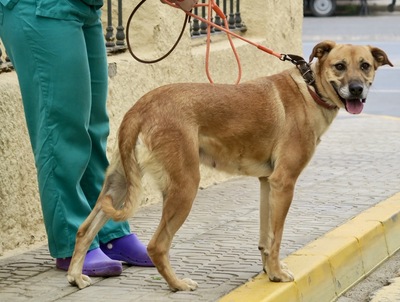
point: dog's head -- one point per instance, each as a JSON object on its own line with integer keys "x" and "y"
{"x": 345, "y": 72}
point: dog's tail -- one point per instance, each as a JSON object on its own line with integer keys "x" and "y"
{"x": 128, "y": 169}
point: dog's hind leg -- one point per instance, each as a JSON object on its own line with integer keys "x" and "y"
{"x": 84, "y": 237}
{"x": 114, "y": 190}
{"x": 182, "y": 168}
{"x": 177, "y": 205}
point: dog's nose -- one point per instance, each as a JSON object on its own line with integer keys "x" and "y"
{"x": 356, "y": 89}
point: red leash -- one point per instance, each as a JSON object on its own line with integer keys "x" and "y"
{"x": 187, "y": 6}
{"x": 212, "y": 6}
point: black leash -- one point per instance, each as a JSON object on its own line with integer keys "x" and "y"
{"x": 187, "y": 20}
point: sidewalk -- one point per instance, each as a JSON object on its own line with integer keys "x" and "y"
{"x": 356, "y": 166}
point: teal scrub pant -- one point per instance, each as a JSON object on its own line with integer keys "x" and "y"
{"x": 59, "y": 55}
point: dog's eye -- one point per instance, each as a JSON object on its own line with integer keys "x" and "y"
{"x": 365, "y": 66}
{"x": 340, "y": 66}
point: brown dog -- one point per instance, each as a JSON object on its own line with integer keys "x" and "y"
{"x": 267, "y": 128}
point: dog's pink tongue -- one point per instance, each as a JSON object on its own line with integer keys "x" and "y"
{"x": 354, "y": 106}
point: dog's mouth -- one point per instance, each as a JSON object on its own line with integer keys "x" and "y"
{"x": 353, "y": 105}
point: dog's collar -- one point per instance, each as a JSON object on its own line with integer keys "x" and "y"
{"x": 302, "y": 66}
{"x": 308, "y": 76}
{"x": 320, "y": 101}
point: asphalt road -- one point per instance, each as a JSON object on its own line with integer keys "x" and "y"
{"x": 382, "y": 31}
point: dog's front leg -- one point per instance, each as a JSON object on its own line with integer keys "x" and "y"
{"x": 264, "y": 219}
{"x": 276, "y": 197}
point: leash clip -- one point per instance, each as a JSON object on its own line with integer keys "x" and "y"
{"x": 285, "y": 57}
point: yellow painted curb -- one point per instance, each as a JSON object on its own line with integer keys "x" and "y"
{"x": 388, "y": 117}
{"x": 330, "y": 265}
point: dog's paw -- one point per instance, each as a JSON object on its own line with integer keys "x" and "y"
{"x": 279, "y": 272}
{"x": 190, "y": 284}
{"x": 81, "y": 281}
{"x": 283, "y": 275}
{"x": 185, "y": 285}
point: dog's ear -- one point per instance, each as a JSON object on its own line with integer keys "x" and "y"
{"x": 380, "y": 57}
{"x": 321, "y": 49}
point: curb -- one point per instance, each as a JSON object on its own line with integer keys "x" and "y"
{"x": 327, "y": 267}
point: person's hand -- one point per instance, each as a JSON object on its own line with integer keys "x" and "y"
{"x": 186, "y": 5}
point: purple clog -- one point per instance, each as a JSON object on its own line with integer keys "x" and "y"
{"x": 96, "y": 264}
{"x": 128, "y": 249}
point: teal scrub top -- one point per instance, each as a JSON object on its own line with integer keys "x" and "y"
{"x": 96, "y": 3}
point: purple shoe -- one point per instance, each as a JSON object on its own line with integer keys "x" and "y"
{"x": 128, "y": 249}
{"x": 96, "y": 264}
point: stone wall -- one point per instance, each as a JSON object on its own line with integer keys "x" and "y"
{"x": 275, "y": 24}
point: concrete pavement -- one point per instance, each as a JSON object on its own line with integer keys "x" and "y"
{"x": 355, "y": 168}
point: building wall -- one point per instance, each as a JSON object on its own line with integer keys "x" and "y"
{"x": 275, "y": 24}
